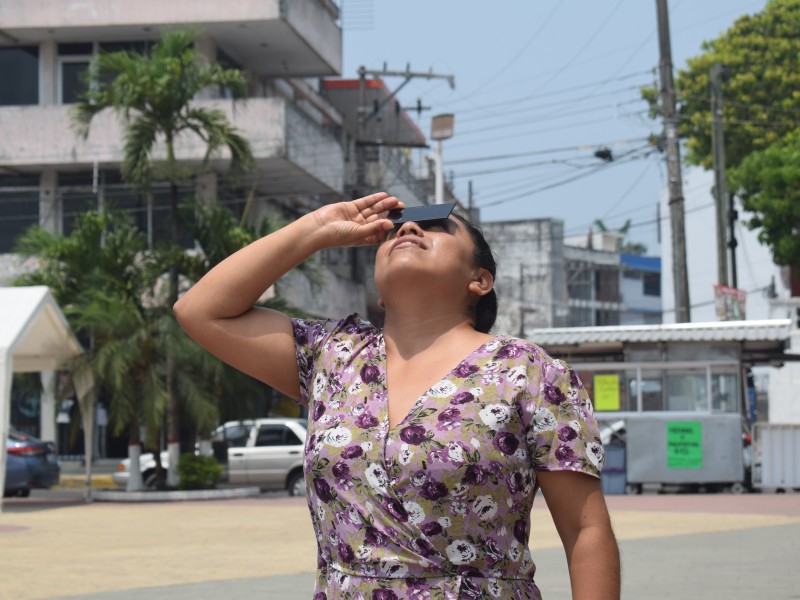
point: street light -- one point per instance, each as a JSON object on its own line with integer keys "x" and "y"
{"x": 441, "y": 129}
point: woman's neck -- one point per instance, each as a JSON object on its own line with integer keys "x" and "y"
{"x": 408, "y": 333}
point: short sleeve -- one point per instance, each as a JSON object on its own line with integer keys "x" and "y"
{"x": 320, "y": 342}
{"x": 561, "y": 430}
{"x": 309, "y": 341}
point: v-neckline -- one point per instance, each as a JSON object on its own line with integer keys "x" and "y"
{"x": 426, "y": 393}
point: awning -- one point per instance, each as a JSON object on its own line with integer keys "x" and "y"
{"x": 34, "y": 336}
{"x": 761, "y": 341}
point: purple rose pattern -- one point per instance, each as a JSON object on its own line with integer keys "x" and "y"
{"x": 401, "y": 512}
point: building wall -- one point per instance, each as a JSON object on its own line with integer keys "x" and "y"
{"x": 784, "y": 381}
{"x": 592, "y": 286}
{"x": 530, "y": 281}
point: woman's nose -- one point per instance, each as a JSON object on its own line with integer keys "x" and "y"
{"x": 409, "y": 228}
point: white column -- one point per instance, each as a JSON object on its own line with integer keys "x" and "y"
{"x": 47, "y": 413}
{"x": 48, "y": 71}
{"x": 6, "y": 374}
{"x": 49, "y": 204}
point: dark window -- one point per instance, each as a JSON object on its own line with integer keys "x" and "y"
{"x": 291, "y": 438}
{"x": 19, "y": 76}
{"x": 235, "y": 435}
{"x": 651, "y": 284}
{"x": 19, "y": 207}
{"x": 72, "y": 84}
{"x": 139, "y": 47}
{"x": 628, "y": 274}
{"x": 276, "y": 435}
{"x": 75, "y": 49}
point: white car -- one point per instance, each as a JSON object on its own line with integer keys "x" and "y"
{"x": 263, "y": 452}
{"x": 272, "y": 458}
{"x": 147, "y": 464}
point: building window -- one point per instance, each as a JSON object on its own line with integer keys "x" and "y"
{"x": 19, "y": 202}
{"x": 20, "y": 66}
{"x": 651, "y": 284}
{"x": 71, "y": 79}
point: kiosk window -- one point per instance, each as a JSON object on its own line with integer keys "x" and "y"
{"x": 724, "y": 392}
{"x": 687, "y": 391}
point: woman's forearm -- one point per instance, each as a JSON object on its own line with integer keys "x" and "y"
{"x": 594, "y": 566}
{"x": 232, "y": 287}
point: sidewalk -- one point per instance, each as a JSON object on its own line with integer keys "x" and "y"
{"x": 673, "y": 546}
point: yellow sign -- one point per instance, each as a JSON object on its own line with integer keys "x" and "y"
{"x": 606, "y": 392}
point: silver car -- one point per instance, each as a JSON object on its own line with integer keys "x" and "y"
{"x": 272, "y": 458}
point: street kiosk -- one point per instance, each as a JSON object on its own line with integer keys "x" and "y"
{"x": 674, "y": 394}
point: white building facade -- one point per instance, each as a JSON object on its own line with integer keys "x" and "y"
{"x": 48, "y": 175}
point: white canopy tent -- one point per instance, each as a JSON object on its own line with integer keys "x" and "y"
{"x": 35, "y": 337}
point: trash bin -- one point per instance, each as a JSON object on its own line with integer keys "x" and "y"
{"x": 614, "y": 476}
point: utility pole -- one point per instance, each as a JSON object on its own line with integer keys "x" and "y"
{"x": 365, "y": 113}
{"x": 720, "y": 186}
{"x": 679, "y": 272}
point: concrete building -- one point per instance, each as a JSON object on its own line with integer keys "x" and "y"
{"x": 303, "y": 144}
{"x": 609, "y": 287}
{"x": 531, "y": 283}
{"x": 545, "y": 280}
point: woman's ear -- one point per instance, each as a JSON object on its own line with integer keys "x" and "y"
{"x": 482, "y": 284}
{"x": 381, "y": 305}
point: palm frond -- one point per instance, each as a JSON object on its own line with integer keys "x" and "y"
{"x": 140, "y": 138}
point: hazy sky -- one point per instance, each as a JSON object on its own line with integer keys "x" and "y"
{"x": 550, "y": 82}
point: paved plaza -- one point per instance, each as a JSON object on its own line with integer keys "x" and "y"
{"x": 674, "y": 546}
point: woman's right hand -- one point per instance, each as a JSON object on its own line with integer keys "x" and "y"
{"x": 358, "y": 222}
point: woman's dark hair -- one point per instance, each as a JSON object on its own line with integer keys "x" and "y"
{"x": 485, "y": 311}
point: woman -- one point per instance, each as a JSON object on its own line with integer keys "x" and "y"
{"x": 426, "y": 439}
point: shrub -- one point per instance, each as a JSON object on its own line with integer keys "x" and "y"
{"x": 198, "y": 472}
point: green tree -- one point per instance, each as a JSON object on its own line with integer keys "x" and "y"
{"x": 768, "y": 183}
{"x": 153, "y": 95}
{"x": 760, "y": 56}
{"x": 100, "y": 274}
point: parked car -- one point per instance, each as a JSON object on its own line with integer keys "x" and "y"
{"x": 263, "y": 452}
{"x": 30, "y": 463}
{"x": 272, "y": 458}
{"x": 147, "y": 466}
{"x": 229, "y": 434}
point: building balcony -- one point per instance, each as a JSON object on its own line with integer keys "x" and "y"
{"x": 293, "y": 153}
{"x": 270, "y": 37}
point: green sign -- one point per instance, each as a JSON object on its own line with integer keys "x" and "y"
{"x": 684, "y": 445}
{"x": 606, "y": 392}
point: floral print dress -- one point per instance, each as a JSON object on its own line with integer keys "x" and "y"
{"x": 438, "y": 506}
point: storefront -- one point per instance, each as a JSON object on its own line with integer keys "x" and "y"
{"x": 677, "y": 391}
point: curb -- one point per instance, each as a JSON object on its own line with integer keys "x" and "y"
{"x": 174, "y": 496}
{"x": 75, "y": 482}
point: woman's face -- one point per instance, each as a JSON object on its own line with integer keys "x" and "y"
{"x": 439, "y": 253}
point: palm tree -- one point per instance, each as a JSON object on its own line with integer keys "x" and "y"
{"x": 101, "y": 275}
{"x": 152, "y": 94}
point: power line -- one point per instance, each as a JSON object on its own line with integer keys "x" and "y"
{"x": 514, "y": 59}
{"x": 543, "y": 151}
